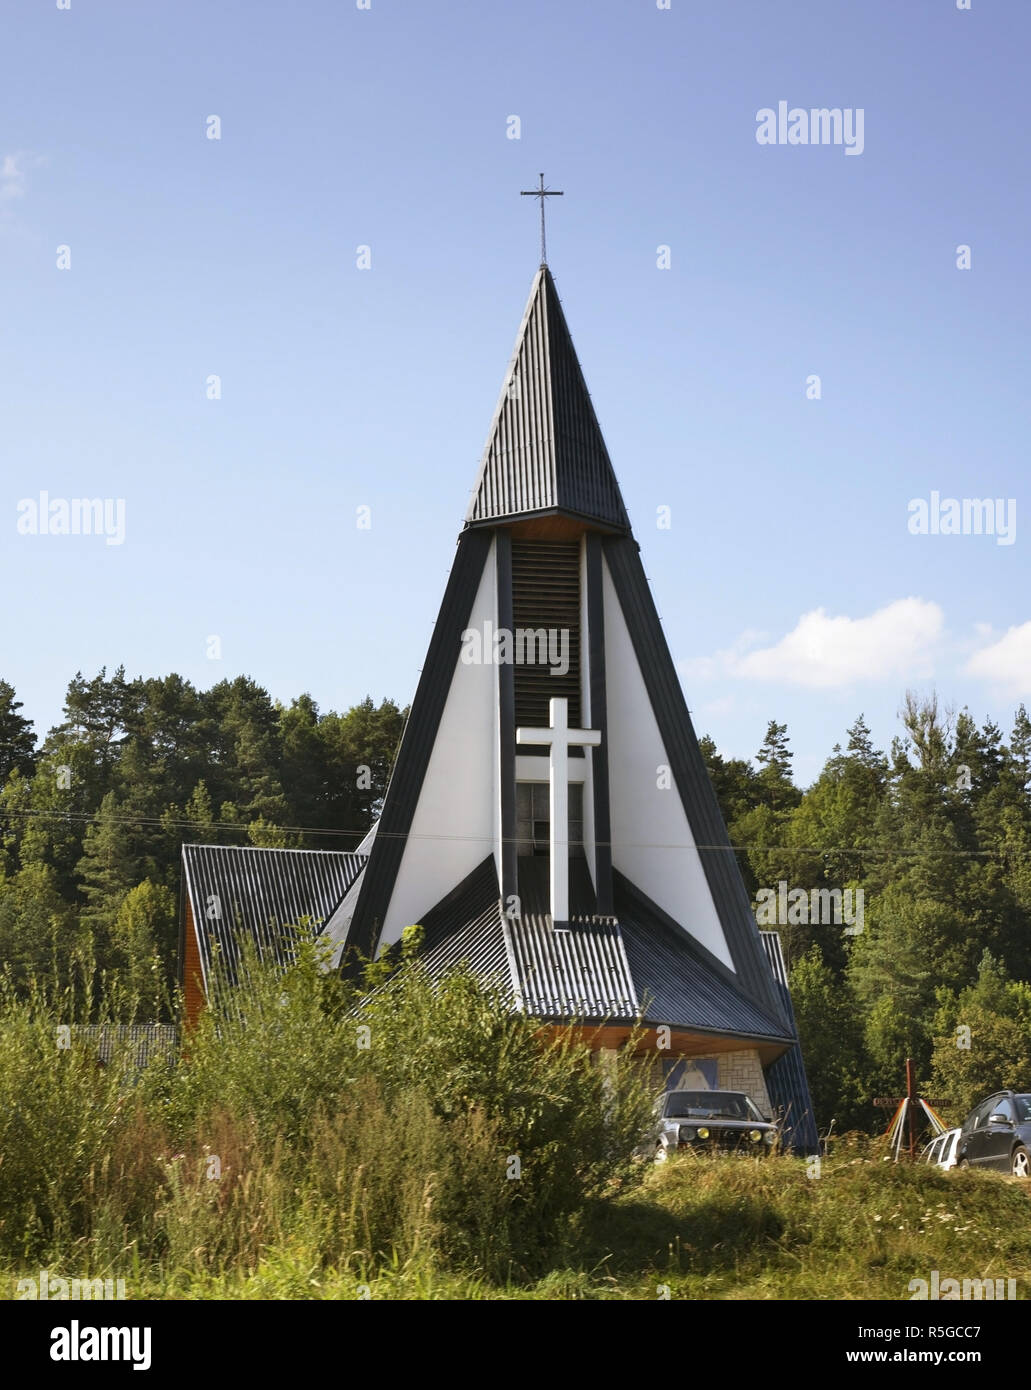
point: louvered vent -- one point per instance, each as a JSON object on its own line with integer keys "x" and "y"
{"x": 546, "y": 602}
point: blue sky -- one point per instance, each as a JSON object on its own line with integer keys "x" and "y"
{"x": 789, "y": 583}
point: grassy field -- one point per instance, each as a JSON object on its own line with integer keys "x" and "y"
{"x": 706, "y": 1229}
{"x": 424, "y": 1141}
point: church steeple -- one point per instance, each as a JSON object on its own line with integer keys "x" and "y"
{"x": 545, "y": 454}
{"x": 550, "y": 819}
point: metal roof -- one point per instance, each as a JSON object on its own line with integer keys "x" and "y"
{"x": 140, "y": 1042}
{"x": 599, "y": 968}
{"x": 786, "y": 1079}
{"x": 679, "y": 983}
{"x": 637, "y": 965}
{"x": 465, "y": 929}
{"x": 237, "y": 891}
{"x": 775, "y": 955}
{"x": 580, "y": 971}
{"x": 545, "y": 451}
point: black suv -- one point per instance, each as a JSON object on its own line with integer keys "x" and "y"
{"x": 997, "y": 1134}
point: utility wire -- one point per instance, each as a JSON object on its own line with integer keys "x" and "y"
{"x": 176, "y": 823}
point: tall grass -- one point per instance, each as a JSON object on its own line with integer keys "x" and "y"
{"x": 315, "y": 1128}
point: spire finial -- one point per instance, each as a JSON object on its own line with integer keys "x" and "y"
{"x": 542, "y": 193}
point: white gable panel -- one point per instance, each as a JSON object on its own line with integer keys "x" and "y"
{"x": 339, "y": 924}
{"x": 366, "y": 845}
{"x": 589, "y": 831}
{"x": 452, "y": 830}
{"x": 652, "y": 844}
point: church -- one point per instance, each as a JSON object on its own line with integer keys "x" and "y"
{"x": 549, "y": 822}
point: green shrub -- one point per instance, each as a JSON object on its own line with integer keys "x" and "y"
{"x": 71, "y": 1131}
{"x": 416, "y": 1126}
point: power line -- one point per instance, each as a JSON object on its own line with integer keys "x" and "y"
{"x": 860, "y": 851}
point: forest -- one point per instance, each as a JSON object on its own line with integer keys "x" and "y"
{"x": 92, "y": 819}
{"x": 935, "y": 832}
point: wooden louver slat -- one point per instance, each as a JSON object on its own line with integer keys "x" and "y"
{"x": 546, "y": 594}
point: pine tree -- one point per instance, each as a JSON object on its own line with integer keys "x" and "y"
{"x": 1020, "y": 748}
{"x": 199, "y": 815}
{"x": 860, "y": 746}
{"x": 108, "y": 870}
{"x": 38, "y": 930}
{"x": 773, "y": 782}
{"x": 303, "y": 767}
{"x": 143, "y": 938}
{"x": 831, "y": 1035}
{"x": 17, "y": 740}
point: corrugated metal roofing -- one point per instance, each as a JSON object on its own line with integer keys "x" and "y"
{"x": 239, "y": 891}
{"x": 465, "y": 929}
{"x": 775, "y": 955}
{"x": 600, "y": 968}
{"x": 545, "y": 451}
{"x": 675, "y": 982}
{"x": 579, "y": 973}
{"x": 785, "y": 1078}
{"x": 142, "y": 1042}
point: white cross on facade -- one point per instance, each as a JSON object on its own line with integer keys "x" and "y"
{"x": 560, "y": 738}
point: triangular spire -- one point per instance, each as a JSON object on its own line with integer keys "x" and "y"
{"x": 545, "y": 453}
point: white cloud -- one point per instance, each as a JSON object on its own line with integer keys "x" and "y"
{"x": 12, "y": 173}
{"x": 1006, "y": 662}
{"x": 825, "y": 652}
{"x": 707, "y": 668}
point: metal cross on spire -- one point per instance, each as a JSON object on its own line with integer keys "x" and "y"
{"x": 542, "y": 193}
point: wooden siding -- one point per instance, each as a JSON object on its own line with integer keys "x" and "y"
{"x": 681, "y": 1042}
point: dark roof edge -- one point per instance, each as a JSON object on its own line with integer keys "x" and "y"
{"x": 563, "y": 323}
{"x": 625, "y": 888}
{"x": 417, "y": 743}
{"x": 643, "y": 1021}
{"x": 628, "y": 891}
